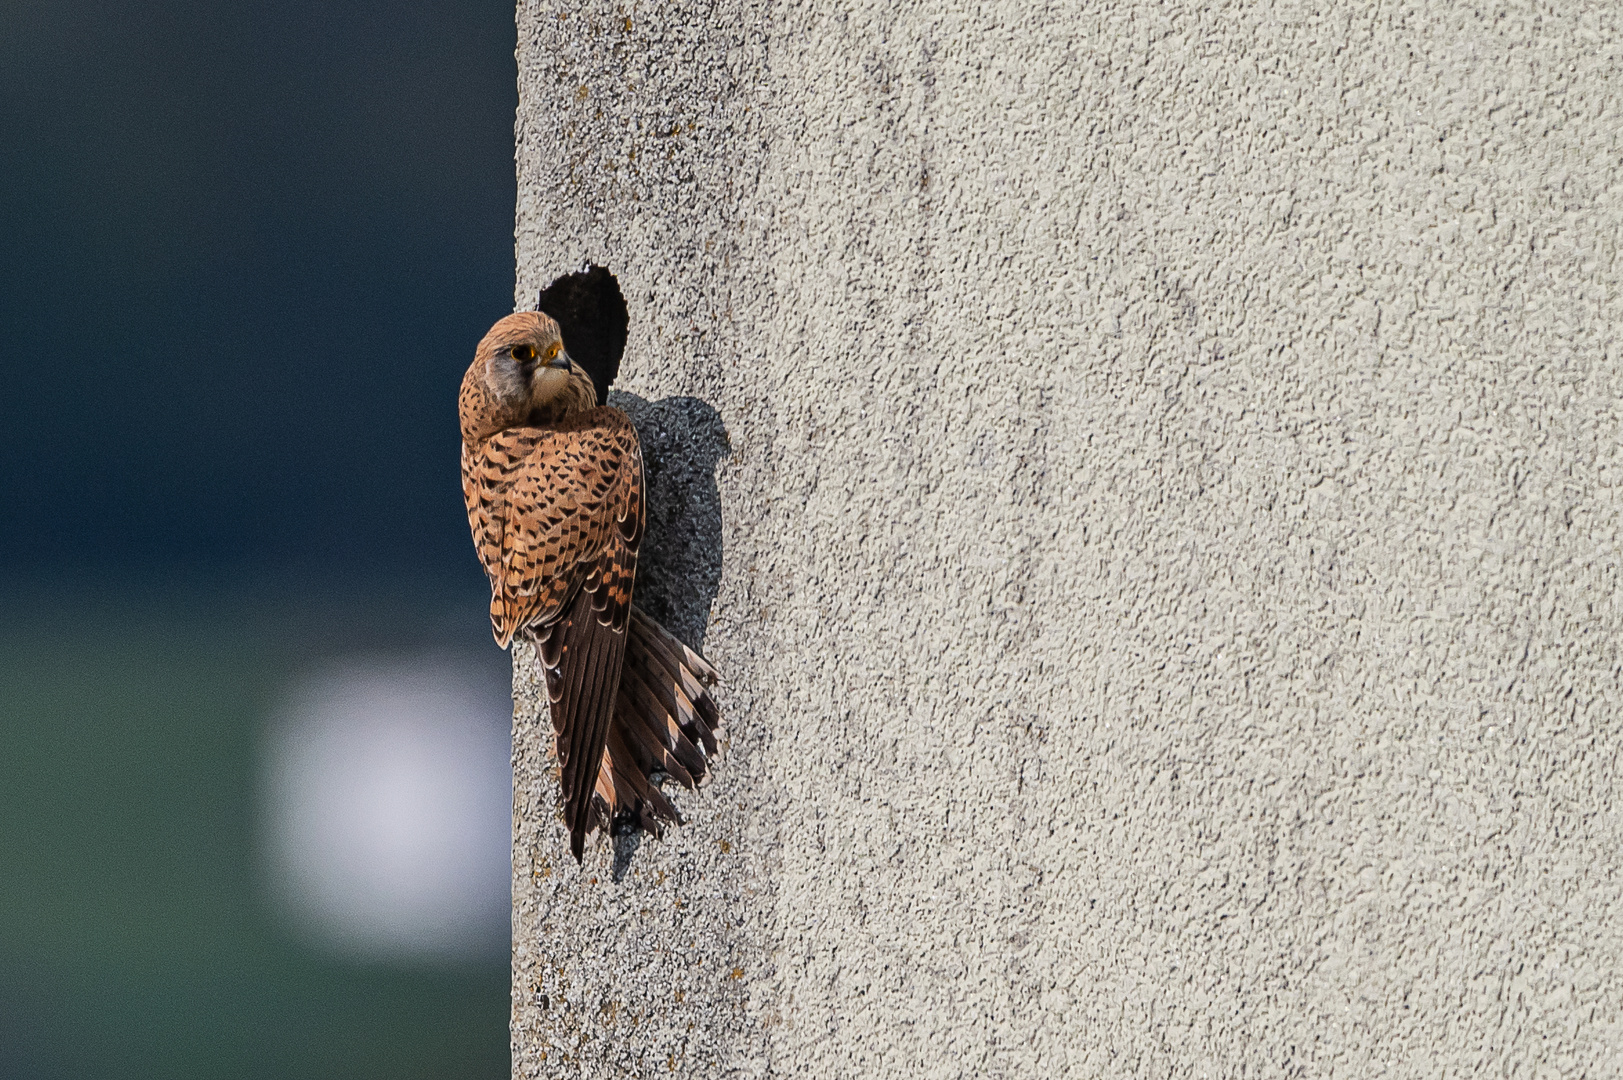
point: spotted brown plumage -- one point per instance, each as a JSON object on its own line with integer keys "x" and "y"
{"x": 554, "y": 489}
{"x": 556, "y": 508}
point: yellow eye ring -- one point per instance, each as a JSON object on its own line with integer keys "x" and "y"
{"x": 524, "y": 353}
{"x": 552, "y": 350}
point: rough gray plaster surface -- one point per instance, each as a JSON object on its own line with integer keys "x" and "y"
{"x": 1166, "y": 561}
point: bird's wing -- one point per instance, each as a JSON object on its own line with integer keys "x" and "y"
{"x": 557, "y": 517}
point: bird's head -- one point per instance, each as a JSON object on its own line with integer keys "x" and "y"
{"x": 521, "y": 374}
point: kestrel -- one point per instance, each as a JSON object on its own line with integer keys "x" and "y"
{"x": 554, "y": 487}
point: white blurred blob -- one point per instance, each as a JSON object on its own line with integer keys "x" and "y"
{"x": 388, "y": 812}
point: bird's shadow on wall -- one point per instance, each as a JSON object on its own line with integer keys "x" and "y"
{"x": 679, "y": 563}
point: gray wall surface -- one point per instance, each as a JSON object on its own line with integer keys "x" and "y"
{"x": 1149, "y": 475}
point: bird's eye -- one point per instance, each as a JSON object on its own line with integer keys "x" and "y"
{"x": 524, "y": 353}
{"x": 552, "y": 350}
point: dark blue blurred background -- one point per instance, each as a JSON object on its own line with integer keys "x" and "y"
{"x": 246, "y": 252}
{"x": 248, "y": 249}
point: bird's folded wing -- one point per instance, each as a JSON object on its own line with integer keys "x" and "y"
{"x": 545, "y": 504}
{"x": 563, "y": 508}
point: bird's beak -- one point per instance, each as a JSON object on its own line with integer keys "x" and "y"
{"x": 561, "y": 362}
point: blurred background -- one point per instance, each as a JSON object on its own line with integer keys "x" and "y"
{"x": 253, "y": 730}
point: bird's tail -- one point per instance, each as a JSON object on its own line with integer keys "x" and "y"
{"x": 665, "y": 722}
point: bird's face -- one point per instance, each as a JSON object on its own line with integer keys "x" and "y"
{"x": 524, "y": 375}
{"x": 525, "y": 361}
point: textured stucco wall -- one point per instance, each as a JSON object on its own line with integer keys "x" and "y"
{"x": 1165, "y": 562}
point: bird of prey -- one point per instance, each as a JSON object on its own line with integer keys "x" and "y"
{"x": 553, "y": 482}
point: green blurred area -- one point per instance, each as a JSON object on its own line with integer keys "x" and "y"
{"x": 136, "y": 937}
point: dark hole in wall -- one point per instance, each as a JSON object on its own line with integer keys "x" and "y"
{"x": 591, "y": 312}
